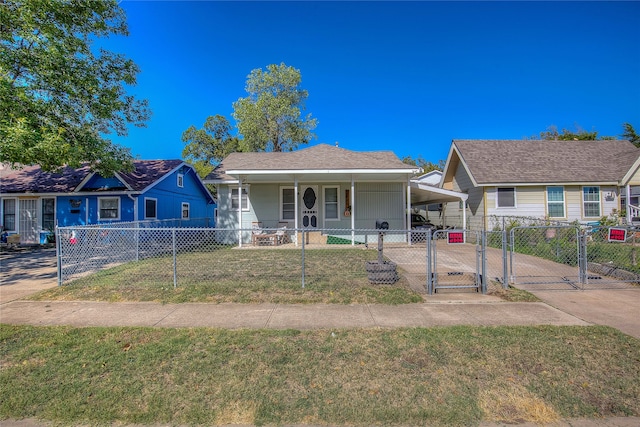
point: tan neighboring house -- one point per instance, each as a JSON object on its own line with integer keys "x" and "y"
{"x": 556, "y": 180}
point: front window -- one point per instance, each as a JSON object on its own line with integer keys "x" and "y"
{"x": 591, "y": 202}
{"x": 109, "y": 208}
{"x": 185, "y": 211}
{"x": 48, "y": 214}
{"x": 555, "y": 202}
{"x": 9, "y": 214}
{"x": 150, "y": 208}
{"x": 506, "y": 197}
{"x": 235, "y": 202}
{"x": 180, "y": 180}
{"x": 331, "y": 203}
{"x": 287, "y": 204}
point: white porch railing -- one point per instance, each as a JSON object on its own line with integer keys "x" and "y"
{"x": 633, "y": 213}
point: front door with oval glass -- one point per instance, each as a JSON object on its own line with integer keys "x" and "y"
{"x": 310, "y": 206}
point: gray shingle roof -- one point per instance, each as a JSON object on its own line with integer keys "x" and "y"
{"x": 317, "y": 157}
{"x": 534, "y": 161}
{"x": 32, "y": 179}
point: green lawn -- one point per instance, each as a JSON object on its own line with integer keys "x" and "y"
{"x": 335, "y": 276}
{"x": 455, "y": 376}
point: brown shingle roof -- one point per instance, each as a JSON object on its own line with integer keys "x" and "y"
{"x": 317, "y": 157}
{"x": 527, "y": 161}
{"x": 33, "y": 180}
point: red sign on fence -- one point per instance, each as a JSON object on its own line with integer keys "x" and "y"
{"x": 617, "y": 235}
{"x": 455, "y": 237}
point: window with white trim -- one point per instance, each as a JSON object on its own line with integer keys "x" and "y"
{"x": 48, "y": 214}
{"x": 555, "y": 202}
{"x": 591, "y": 202}
{"x": 109, "y": 208}
{"x": 234, "y": 199}
{"x": 180, "y": 180}
{"x": 150, "y": 208}
{"x": 9, "y": 214}
{"x": 331, "y": 203}
{"x": 505, "y": 197}
{"x": 287, "y": 203}
{"x": 185, "y": 211}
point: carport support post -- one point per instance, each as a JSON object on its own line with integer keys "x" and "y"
{"x": 428, "y": 254}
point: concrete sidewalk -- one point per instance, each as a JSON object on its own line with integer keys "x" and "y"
{"x": 275, "y": 316}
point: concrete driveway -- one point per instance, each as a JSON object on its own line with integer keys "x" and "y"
{"x": 24, "y": 272}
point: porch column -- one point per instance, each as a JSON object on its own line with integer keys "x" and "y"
{"x": 295, "y": 207}
{"x": 352, "y": 196}
{"x": 240, "y": 211}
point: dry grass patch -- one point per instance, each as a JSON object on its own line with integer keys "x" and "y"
{"x": 512, "y": 403}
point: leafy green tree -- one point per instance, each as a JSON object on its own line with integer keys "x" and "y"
{"x": 629, "y": 133}
{"x": 270, "y": 117}
{"x": 206, "y": 147}
{"x": 59, "y": 95}
{"x": 552, "y": 134}
{"x": 426, "y": 166}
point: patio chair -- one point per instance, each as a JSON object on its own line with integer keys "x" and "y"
{"x": 283, "y": 236}
{"x": 260, "y": 237}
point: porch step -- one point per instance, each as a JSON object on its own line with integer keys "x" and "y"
{"x": 314, "y": 237}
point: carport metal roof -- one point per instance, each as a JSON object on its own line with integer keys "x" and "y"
{"x": 424, "y": 194}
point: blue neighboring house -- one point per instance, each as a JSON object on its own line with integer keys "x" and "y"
{"x": 33, "y": 202}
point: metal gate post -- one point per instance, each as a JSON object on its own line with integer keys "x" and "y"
{"x": 582, "y": 258}
{"x": 428, "y": 255}
{"x": 505, "y": 267}
{"x": 59, "y": 254}
{"x": 483, "y": 260}
{"x": 302, "y": 258}
{"x": 175, "y": 263}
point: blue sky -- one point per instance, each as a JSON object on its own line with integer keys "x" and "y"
{"x": 402, "y": 76}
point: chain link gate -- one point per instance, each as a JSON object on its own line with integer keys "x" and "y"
{"x": 611, "y": 258}
{"x": 456, "y": 260}
{"x": 549, "y": 257}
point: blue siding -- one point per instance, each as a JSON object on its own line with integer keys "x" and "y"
{"x": 168, "y": 195}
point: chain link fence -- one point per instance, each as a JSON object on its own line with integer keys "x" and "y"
{"x": 554, "y": 257}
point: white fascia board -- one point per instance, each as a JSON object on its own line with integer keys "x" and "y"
{"x": 221, "y": 181}
{"x": 442, "y": 191}
{"x": 546, "y": 184}
{"x": 627, "y": 177}
{"x": 322, "y": 171}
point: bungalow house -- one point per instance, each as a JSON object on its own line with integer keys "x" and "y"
{"x": 556, "y": 180}
{"x": 315, "y": 188}
{"x": 33, "y": 202}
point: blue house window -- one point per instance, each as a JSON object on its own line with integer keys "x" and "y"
{"x": 150, "y": 208}
{"x": 48, "y": 214}
{"x": 185, "y": 211}
{"x": 109, "y": 208}
{"x": 180, "y": 180}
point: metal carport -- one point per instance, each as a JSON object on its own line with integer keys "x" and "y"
{"x": 424, "y": 194}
